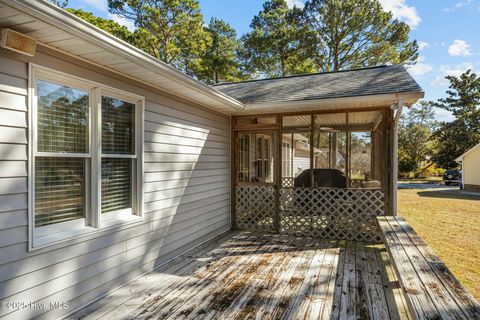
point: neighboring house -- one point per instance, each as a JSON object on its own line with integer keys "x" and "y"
{"x": 112, "y": 163}
{"x": 470, "y": 161}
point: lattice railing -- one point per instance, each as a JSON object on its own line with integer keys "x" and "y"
{"x": 288, "y": 182}
{"x": 331, "y": 213}
{"x": 255, "y": 207}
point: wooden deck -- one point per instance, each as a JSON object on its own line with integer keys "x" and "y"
{"x": 432, "y": 291}
{"x": 244, "y": 275}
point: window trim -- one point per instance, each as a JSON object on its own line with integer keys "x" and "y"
{"x": 45, "y": 236}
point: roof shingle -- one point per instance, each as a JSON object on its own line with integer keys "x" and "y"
{"x": 339, "y": 84}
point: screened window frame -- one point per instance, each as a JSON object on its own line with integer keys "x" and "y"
{"x": 43, "y": 236}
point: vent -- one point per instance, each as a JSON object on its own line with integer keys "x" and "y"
{"x": 17, "y": 42}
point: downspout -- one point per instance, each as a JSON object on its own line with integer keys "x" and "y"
{"x": 395, "y": 157}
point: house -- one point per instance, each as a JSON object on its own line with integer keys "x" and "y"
{"x": 470, "y": 161}
{"x": 113, "y": 164}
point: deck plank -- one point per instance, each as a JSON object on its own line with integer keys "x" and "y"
{"x": 348, "y": 300}
{"x": 338, "y": 293}
{"x": 262, "y": 276}
{"x": 376, "y": 290}
{"x": 140, "y": 289}
{"x": 396, "y": 303}
{"x": 446, "y": 306}
{"x": 245, "y": 304}
{"x": 464, "y": 300}
{"x": 283, "y": 281}
{"x": 321, "y": 302}
{"x": 163, "y": 304}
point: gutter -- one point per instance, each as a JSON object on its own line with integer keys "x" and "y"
{"x": 57, "y": 17}
{"x": 409, "y": 99}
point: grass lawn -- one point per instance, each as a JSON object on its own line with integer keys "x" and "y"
{"x": 449, "y": 221}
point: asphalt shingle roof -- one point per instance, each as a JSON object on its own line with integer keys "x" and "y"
{"x": 339, "y": 84}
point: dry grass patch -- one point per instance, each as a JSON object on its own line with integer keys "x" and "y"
{"x": 449, "y": 222}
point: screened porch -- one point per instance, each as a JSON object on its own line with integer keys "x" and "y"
{"x": 319, "y": 174}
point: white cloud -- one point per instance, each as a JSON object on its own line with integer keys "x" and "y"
{"x": 459, "y": 48}
{"x": 420, "y": 69}
{"x": 297, "y": 3}
{"x": 458, "y": 5}
{"x": 101, "y": 5}
{"x": 122, "y": 21}
{"x": 446, "y": 70}
{"x": 400, "y": 10}
{"x": 423, "y": 45}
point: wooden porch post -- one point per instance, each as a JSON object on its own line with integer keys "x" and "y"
{"x": 278, "y": 173}
{"x": 395, "y": 157}
{"x": 233, "y": 150}
{"x": 388, "y": 173}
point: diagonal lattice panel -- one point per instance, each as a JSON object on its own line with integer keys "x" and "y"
{"x": 331, "y": 213}
{"x": 255, "y": 207}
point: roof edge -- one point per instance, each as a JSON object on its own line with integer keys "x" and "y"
{"x": 57, "y": 17}
{"x": 460, "y": 159}
{"x": 312, "y": 105}
{"x": 420, "y": 94}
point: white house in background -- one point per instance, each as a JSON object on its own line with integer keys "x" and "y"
{"x": 470, "y": 161}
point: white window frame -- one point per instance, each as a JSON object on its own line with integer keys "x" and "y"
{"x": 40, "y": 237}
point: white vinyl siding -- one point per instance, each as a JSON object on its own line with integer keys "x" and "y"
{"x": 186, "y": 196}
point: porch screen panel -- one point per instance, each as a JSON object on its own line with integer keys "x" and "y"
{"x": 296, "y": 133}
{"x": 361, "y": 155}
{"x": 255, "y": 157}
{"x": 363, "y": 171}
{"x": 62, "y": 128}
{"x": 254, "y": 190}
{"x": 118, "y": 150}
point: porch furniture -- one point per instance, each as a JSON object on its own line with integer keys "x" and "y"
{"x": 432, "y": 291}
{"x": 327, "y": 178}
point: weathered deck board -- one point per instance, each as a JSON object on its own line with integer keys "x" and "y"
{"x": 260, "y": 276}
{"x": 432, "y": 291}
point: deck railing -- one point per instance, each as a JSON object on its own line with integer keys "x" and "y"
{"x": 333, "y": 213}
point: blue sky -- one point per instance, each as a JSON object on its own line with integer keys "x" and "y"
{"x": 447, "y": 31}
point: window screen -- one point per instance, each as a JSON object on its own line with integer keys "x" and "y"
{"x": 116, "y": 184}
{"x": 62, "y": 128}
{"x": 62, "y": 114}
{"x": 59, "y": 190}
{"x": 118, "y": 119}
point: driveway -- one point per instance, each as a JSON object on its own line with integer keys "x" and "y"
{"x": 437, "y": 188}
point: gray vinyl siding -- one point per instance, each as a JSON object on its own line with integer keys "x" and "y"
{"x": 186, "y": 193}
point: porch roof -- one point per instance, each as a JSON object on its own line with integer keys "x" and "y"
{"x": 366, "y": 87}
{"x": 347, "y": 83}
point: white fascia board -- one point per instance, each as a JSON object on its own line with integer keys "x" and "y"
{"x": 409, "y": 99}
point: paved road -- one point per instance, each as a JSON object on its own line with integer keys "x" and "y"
{"x": 438, "y": 187}
{"x": 419, "y": 185}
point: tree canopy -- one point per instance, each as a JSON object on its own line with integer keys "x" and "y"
{"x": 220, "y": 62}
{"x": 107, "y": 25}
{"x": 274, "y": 47}
{"x": 170, "y": 30}
{"x": 415, "y": 145}
{"x": 463, "y": 101}
{"x": 345, "y": 34}
{"x": 325, "y": 35}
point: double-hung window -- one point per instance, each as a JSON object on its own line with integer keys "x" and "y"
{"x": 86, "y": 164}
